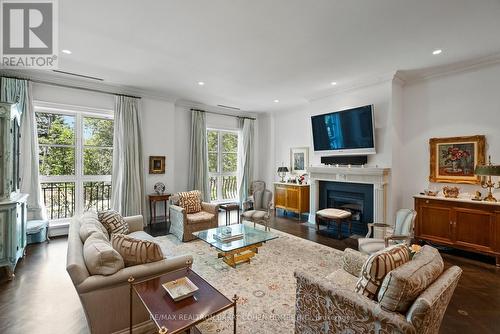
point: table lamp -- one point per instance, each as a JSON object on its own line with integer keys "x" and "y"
{"x": 488, "y": 170}
{"x": 282, "y": 172}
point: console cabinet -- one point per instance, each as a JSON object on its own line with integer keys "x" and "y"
{"x": 465, "y": 224}
{"x": 291, "y": 197}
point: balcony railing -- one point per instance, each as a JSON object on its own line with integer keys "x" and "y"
{"x": 60, "y": 198}
{"x": 228, "y": 188}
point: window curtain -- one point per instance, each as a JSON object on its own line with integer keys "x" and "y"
{"x": 198, "y": 164}
{"x": 127, "y": 196}
{"x": 16, "y": 90}
{"x": 245, "y": 157}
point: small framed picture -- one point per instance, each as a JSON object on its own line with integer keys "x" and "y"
{"x": 454, "y": 159}
{"x": 299, "y": 160}
{"x": 157, "y": 165}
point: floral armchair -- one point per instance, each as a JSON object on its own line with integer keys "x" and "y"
{"x": 184, "y": 220}
{"x": 330, "y": 304}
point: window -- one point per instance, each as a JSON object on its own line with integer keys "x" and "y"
{"x": 223, "y": 164}
{"x": 76, "y": 156}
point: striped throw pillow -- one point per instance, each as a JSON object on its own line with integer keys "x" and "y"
{"x": 136, "y": 251}
{"x": 190, "y": 201}
{"x": 377, "y": 266}
{"x": 113, "y": 222}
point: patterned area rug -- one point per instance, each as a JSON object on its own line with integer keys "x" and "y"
{"x": 266, "y": 286}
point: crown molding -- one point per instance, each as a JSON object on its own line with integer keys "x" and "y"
{"x": 58, "y": 79}
{"x": 353, "y": 85}
{"x": 214, "y": 109}
{"x": 415, "y": 76}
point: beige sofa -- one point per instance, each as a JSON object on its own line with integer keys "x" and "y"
{"x": 105, "y": 299}
{"x": 330, "y": 304}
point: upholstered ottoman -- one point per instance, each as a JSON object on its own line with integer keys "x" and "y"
{"x": 336, "y": 216}
{"x": 37, "y": 231}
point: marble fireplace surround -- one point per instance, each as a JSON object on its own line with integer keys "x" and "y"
{"x": 379, "y": 177}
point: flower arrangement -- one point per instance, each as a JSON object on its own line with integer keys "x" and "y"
{"x": 454, "y": 154}
{"x": 414, "y": 249}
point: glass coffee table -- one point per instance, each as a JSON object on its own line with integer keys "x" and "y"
{"x": 236, "y": 251}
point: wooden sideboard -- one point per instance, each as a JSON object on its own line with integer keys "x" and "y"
{"x": 461, "y": 223}
{"x": 292, "y": 197}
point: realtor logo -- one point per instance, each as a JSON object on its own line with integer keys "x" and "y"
{"x": 29, "y": 34}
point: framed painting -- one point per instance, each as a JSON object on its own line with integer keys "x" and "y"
{"x": 454, "y": 159}
{"x": 299, "y": 160}
{"x": 157, "y": 165}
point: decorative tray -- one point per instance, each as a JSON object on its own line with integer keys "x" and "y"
{"x": 180, "y": 289}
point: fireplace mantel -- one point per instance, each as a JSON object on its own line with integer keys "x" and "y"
{"x": 379, "y": 177}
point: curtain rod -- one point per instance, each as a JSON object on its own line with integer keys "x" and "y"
{"x": 222, "y": 114}
{"x": 72, "y": 87}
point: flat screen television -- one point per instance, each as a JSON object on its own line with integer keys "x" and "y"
{"x": 345, "y": 132}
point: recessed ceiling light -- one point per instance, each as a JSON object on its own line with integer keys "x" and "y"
{"x": 436, "y": 52}
{"x": 68, "y": 52}
{"x": 333, "y": 83}
{"x": 276, "y": 101}
{"x": 201, "y": 83}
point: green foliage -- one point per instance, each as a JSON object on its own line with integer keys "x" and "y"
{"x": 213, "y": 140}
{"x": 229, "y": 142}
{"x": 54, "y": 129}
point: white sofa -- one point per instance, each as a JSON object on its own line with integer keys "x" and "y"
{"x": 105, "y": 299}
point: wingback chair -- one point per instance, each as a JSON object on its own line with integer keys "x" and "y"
{"x": 184, "y": 220}
{"x": 401, "y": 232}
{"x": 330, "y": 304}
{"x": 262, "y": 207}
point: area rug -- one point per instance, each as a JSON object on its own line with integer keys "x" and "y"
{"x": 265, "y": 286}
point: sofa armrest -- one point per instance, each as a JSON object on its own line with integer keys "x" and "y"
{"x": 209, "y": 207}
{"x": 135, "y": 223}
{"x": 139, "y": 272}
{"x": 348, "y": 311}
{"x": 352, "y": 261}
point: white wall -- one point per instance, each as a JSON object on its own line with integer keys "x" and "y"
{"x": 461, "y": 104}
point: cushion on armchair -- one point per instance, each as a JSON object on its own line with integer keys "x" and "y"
{"x": 404, "y": 284}
{"x": 190, "y": 201}
{"x": 378, "y": 266}
{"x": 199, "y": 217}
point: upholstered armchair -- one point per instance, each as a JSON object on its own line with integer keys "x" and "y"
{"x": 262, "y": 204}
{"x": 331, "y": 305}
{"x": 254, "y": 186}
{"x": 401, "y": 232}
{"x": 183, "y": 221}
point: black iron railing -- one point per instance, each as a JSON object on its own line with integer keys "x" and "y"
{"x": 229, "y": 187}
{"x": 60, "y": 198}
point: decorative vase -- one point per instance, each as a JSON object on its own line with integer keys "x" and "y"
{"x": 454, "y": 165}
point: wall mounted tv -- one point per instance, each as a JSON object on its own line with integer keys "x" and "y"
{"x": 345, "y": 132}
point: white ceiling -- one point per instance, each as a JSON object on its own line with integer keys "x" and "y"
{"x": 251, "y": 52}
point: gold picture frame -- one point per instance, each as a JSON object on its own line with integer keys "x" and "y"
{"x": 454, "y": 159}
{"x": 157, "y": 165}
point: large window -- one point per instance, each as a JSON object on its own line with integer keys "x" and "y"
{"x": 76, "y": 155}
{"x": 223, "y": 164}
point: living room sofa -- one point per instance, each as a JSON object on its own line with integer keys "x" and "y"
{"x": 105, "y": 299}
{"x": 331, "y": 305}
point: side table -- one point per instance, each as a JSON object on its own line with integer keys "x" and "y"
{"x": 228, "y": 207}
{"x": 153, "y": 199}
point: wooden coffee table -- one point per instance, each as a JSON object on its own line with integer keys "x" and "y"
{"x": 175, "y": 317}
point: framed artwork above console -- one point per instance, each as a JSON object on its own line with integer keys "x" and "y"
{"x": 454, "y": 159}
{"x": 299, "y": 160}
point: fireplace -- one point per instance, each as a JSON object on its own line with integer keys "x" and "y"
{"x": 354, "y": 197}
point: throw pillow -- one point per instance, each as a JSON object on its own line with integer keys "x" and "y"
{"x": 377, "y": 266}
{"x": 90, "y": 224}
{"x": 113, "y": 222}
{"x": 404, "y": 284}
{"x": 190, "y": 201}
{"x": 100, "y": 257}
{"x": 136, "y": 251}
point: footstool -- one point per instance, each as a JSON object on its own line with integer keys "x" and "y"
{"x": 336, "y": 216}
{"x": 37, "y": 231}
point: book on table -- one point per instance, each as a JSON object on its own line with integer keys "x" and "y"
{"x": 228, "y": 235}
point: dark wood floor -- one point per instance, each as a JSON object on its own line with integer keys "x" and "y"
{"x": 42, "y": 299}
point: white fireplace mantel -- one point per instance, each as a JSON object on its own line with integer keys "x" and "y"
{"x": 379, "y": 177}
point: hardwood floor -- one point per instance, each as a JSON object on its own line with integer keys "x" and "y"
{"x": 42, "y": 298}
